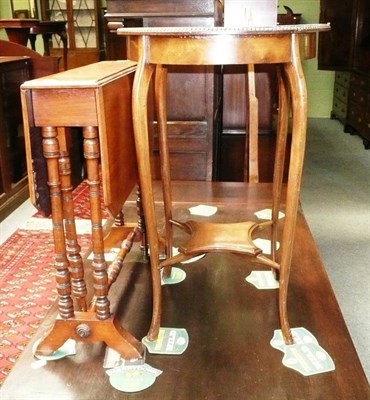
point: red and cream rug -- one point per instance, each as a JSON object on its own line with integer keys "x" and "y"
{"x": 27, "y": 286}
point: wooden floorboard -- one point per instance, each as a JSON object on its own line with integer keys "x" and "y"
{"x": 230, "y": 325}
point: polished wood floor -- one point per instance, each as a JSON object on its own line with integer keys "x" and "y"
{"x": 230, "y": 324}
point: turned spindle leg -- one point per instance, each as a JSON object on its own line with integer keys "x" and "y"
{"x": 119, "y": 219}
{"x": 51, "y": 153}
{"x": 91, "y": 154}
{"x": 141, "y": 223}
{"x": 73, "y": 248}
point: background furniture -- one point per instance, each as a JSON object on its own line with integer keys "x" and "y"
{"x": 47, "y": 29}
{"x": 21, "y": 30}
{"x": 18, "y": 30}
{"x": 358, "y": 116}
{"x": 350, "y": 27}
{"x": 195, "y": 92}
{"x": 13, "y": 179}
{"x": 82, "y": 19}
{"x": 340, "y": 98}
{"x": 207, "y": 105}
{"x": 29, "y": 65}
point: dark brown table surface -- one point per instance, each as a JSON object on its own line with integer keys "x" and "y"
{"x": 230, "y": 324}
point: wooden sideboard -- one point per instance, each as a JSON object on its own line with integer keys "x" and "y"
{"x": 340, "y": 98}
{"x": 19, "y": 64}
{"x": 13, "y": 175}
{"x": 358, "y": 116}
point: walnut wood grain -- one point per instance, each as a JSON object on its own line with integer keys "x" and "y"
{"x": 96, "y": 98}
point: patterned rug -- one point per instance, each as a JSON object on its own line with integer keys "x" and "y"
{"x": 27, "y": 286}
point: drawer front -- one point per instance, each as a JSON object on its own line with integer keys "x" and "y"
{"x": 341, "y": 93}
{"x": 358, "y": 95}
{"x": 366, "y": 132}
{"x": 342, "y": 78}
{"x": 359, "y": 81}
{"x": 339, "y": 108}
{"x": 356, "y": 118}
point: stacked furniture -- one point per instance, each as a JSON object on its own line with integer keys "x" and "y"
{"x": 207, "y": 104}
{"x": 18, "y": 64}
{"x": 346, "y": 49}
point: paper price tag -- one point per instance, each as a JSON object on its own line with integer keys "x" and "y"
{"x": 308, "y": 359}
{"x": 203, "y": 210}
{"x": 177, "y": 276}
{"x": 175, "y": 252}
{"x": 305, "y": 356}
{"x": 68, "y": 349}
{"x": 262, "y": 280}
{"x": 172, "y": 341}
{"x": 132, "y": 379}
{"x": 265, "y": 245}
{"x": 267, "y": 214}
{"x": 300, "y": 336}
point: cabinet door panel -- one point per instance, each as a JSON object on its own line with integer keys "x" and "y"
{"x": 336, "y": 46}
{"x": 82, "y": 17}
{"x": 362, "y": 48}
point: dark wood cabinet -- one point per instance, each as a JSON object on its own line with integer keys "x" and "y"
{"x": 358, "y": 117}
{"x": 13, "y": 171}
{"x": 346, "y": 48}
{"x": 347, "y": 44}
{"x": 232, "y": 135}
{"x": 336, "y": 46}
{"x": 18, "y": 63}
{"x": 340, "y": 97}
{"x": 194, "y": 92}
{"x": 206, "y": 105}
{"x": 361, "y": 54}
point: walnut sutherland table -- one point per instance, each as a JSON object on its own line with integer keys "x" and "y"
{"x": 96, "y": 98}
{"x": 154, "y": 49}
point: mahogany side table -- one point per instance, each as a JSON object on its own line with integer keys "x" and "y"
{"x": 154, "y": 49}
{"x": 47, "y": 29}
{"x": 20, "y": 30}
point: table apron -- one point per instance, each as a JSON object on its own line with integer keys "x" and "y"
{"x": 216, "y": 50}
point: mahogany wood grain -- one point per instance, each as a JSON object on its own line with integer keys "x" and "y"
{"x": 282, "y": 45}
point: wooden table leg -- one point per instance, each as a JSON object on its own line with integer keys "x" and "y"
{"x": 97, "y": 323}
{"x": 142, "y": 79}
{"x": 92, "y": 154}
{"x": 73, "y": 248}
{"x": 280, "y": 150}
{"x": 141, "y": 223}
{"x": 51, "y": 153}
{"x": 251, "y": 173}
{"x": 161, "y": 108}
{"x": 298, "y": 90}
